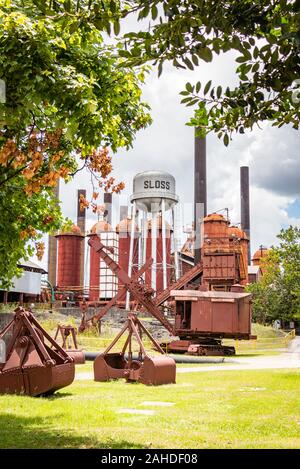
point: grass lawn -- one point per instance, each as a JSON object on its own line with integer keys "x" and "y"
{"x": 268, "y": 342}
{"x": 223, "y": 409}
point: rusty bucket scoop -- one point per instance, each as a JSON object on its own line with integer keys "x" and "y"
{"x": 145, "y": 369}
{"x": 30, "y": 366}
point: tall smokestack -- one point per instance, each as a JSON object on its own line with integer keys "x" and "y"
{"x": 52, "y": 249}
{"x": 245, "y": 205}
{"x": 123, "y": 212}
{"x": 200, "y": 194}
{"x": 81, "y": 214}
{"x": 108, "y": 207}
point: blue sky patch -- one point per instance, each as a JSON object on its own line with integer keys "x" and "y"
{"x": 293, "y": 209}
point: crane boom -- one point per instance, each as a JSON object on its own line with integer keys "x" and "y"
{"x": 131, "y": 284}
{"x": 98, "y": 316}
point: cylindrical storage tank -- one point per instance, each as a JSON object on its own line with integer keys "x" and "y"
{"x": 216, "y": 238}
{"x": 259, "y": 256}
{"x": 124, "y": 231}
{"x": 97, "y": 229}
{"x": 70, "y": 245}
{"x": 159, "y": 254}
{"x": 239, "y": 240}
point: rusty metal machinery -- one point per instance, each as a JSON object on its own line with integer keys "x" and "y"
{"x": 69, "y": 342}
{"x": 144, "y": 369}
{"x": 31, "y": 366}
{"x": 202, "y": 318}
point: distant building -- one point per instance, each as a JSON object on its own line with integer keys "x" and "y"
{"x": 27, "y": 287}
{"x": 254, "y": 273}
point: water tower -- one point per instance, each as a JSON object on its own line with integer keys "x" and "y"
{"x": 153, "y": 195}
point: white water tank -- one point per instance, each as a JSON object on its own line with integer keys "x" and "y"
{"x": 150, "y": 188}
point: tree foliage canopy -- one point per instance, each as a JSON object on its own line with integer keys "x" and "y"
{"x": 277, "y": 294}
{"x": 68, "y": 96}
{"x": 265, "y": 34}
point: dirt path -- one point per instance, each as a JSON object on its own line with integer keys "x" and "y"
{"x": 285, "y": 360}
{"x": 288, "y": 359}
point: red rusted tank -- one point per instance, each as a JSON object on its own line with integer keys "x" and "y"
{"x": 124, "y": 231}
{"x": 259, "y": 256}
{"x": 159, "y": 254}
{"x": 239, "y": 242}
{"x": 99, "y": 227}
{"x": 70, "y": 245}
{"x": 215, "y": 234}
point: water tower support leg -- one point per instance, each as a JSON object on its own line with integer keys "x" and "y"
{"x": 154, "y": 250}
{"x": 145, "y": 235}
{"x": 175, "y": 244}
{"x": 133, "y": 209}
{"x": 164, "y": 247}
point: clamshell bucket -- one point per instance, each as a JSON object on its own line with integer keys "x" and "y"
{"x": 31, "y": 366}
{"x": 158, "y": 370}
{"x": 69, "y": 343}
{"x": 145, "y": 369}
{"x": 110, "y": 366}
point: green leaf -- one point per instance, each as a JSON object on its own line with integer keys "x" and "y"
{"x": 117, "y": 27}
{"x": 189, "y": 87}
{"x": 186, "y": 100}
{"x": 219, "y": 92}
{"x": 274, "y": 57}
{"x": 226, "y": 140}
{"x": 188, "y": 63}
{"x": 198, "y": 86}
{"x": 154, "y": 12}
{"x": 195, "y": 59}
{"x": 194, "y": 101}
{"x": 144, "y": 12}
{"x": 177, "y": 64}
{"x": 124, "y": 53}
{"x": 207, "y": 87}
{"x": 160, "y": 68}
{"x": 206, "y": 54}
{"x": 242, "y": 59}
{"x": 108, "y": 27}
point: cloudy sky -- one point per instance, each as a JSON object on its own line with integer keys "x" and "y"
{"x": 168, "y": 144}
